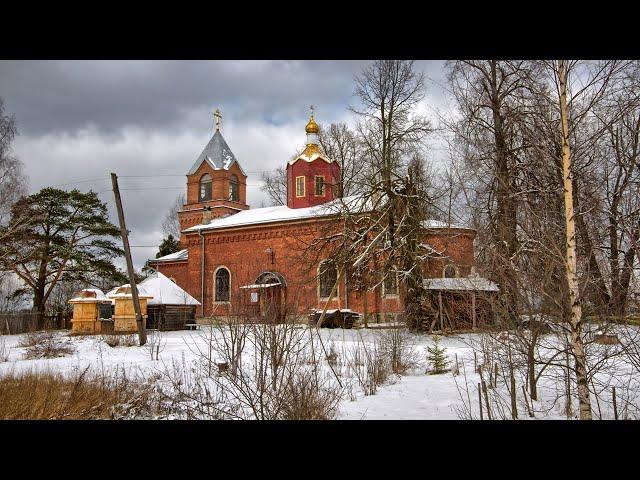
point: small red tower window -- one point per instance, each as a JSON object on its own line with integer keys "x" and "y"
{"x": 300, "y": 181}
{"x": 205, "y": 188}
{"x": 319, "y": 183}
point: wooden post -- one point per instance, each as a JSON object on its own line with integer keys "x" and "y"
{"x": 514, "y": 403}
{"x": 440, "y": 310}
{"x": 486, "y": 399}
{"x": 615, "y": 406}
{"x": 473, "y": 309}
{"x": 142, "y": 334}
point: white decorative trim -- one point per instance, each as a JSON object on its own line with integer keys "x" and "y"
{"x": 215, "y": 272}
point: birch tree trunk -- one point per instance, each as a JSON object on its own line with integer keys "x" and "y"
{"x": 571, "y": 263}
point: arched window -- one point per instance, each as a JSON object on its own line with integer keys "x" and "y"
{"x": 234, "y": 193}
{"x": 222, "y": 284}
{"x": 390, "y": 284}
{"x": 327, "y": 277}
{"x": 450, "y": 271}
{"x": 205, "y": 188}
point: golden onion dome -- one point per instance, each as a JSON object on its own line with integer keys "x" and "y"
{"x": 312, "y": 126}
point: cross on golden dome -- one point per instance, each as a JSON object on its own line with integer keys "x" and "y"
{"x": 312, "y": 126}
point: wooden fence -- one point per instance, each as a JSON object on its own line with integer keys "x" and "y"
{"x": 24, "y": 322}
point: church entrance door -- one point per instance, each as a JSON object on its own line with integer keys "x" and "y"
{"x": 267, "y": 297}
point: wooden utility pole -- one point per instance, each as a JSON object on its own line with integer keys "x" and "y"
{"x": 142, "y": 333}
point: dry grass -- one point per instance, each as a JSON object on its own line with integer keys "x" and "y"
{"x": 45, "y": 344}
{"x": 85, "y": 396}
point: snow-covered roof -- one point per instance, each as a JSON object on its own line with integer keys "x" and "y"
{"x": 124, "y": 291}
{"x": 159, "y": 289}
{"x": 309, "y": 154}
{"x": 255, "y": 216}
{"x": 165, "y": 291}
{"x": 463, "y": 283}
{"x": 89, "y": 295}
{"x": 173, "y": 257}
{"x": 282, "y": 213}
{"x": 441, "y": 224}
{"x": 217, "y": 154}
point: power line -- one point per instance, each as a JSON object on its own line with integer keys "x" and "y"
{"x": 104, "y": 179}
{"x": 78, "y": 181}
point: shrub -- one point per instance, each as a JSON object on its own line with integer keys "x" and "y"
{"x": 114, "y": 340}
{"x": 45, "y": 344}
{"x": 370, "y": 365}
{"x": 397, "y": 345}
{"x": 309, "y": 398}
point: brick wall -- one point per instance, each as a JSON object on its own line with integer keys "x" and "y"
{"x": 243, "y": 251}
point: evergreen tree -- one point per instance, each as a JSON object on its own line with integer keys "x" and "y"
{"x": 437, "y": 356}
{"x": 168, "y": 245}
{"x": 59, "y": 236}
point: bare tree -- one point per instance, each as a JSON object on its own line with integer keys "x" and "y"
{"x": 491, "y": 97}
{"x": 274, "y": 184}
{"x": 171, "y": 223}
{"x": 574, "y": 101}
{"x": 341, "y": 144}
{"x": 13, "y": 183}
{"x": 390, "y": 132}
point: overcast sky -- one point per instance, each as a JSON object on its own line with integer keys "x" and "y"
{"x": 81, "y": 120}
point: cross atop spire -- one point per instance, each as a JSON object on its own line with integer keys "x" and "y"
{"x": 311, "y": 108}
{"x": 218, "y": 117}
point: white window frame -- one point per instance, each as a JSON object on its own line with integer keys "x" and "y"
{"x": 304, "y": 186}
{"x": 315, "y": 186}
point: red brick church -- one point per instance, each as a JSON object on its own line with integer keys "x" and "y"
{"x": 237, "y": 257}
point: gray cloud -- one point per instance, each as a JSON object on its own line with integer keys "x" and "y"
{"x": 81, "y": 120}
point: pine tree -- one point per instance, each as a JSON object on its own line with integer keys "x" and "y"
{"x": 168, "y": 245}
{"x": 437, "y": 357}
{"x": 61, "y": 236}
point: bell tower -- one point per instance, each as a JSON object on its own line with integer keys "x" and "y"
{"x": 216, "y": 183}
{"x": 312, "y": 177}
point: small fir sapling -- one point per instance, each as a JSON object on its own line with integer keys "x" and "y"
{"x": 437, "y": 357}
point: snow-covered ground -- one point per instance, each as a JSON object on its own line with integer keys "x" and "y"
{"x": 415, "y": 395}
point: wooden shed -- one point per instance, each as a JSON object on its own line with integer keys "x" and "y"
{"x": 124, "y": 316}
{"x": 91, "y": 312}
{"x": 460, "y": 302}
{"x": 171, "y": 308}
